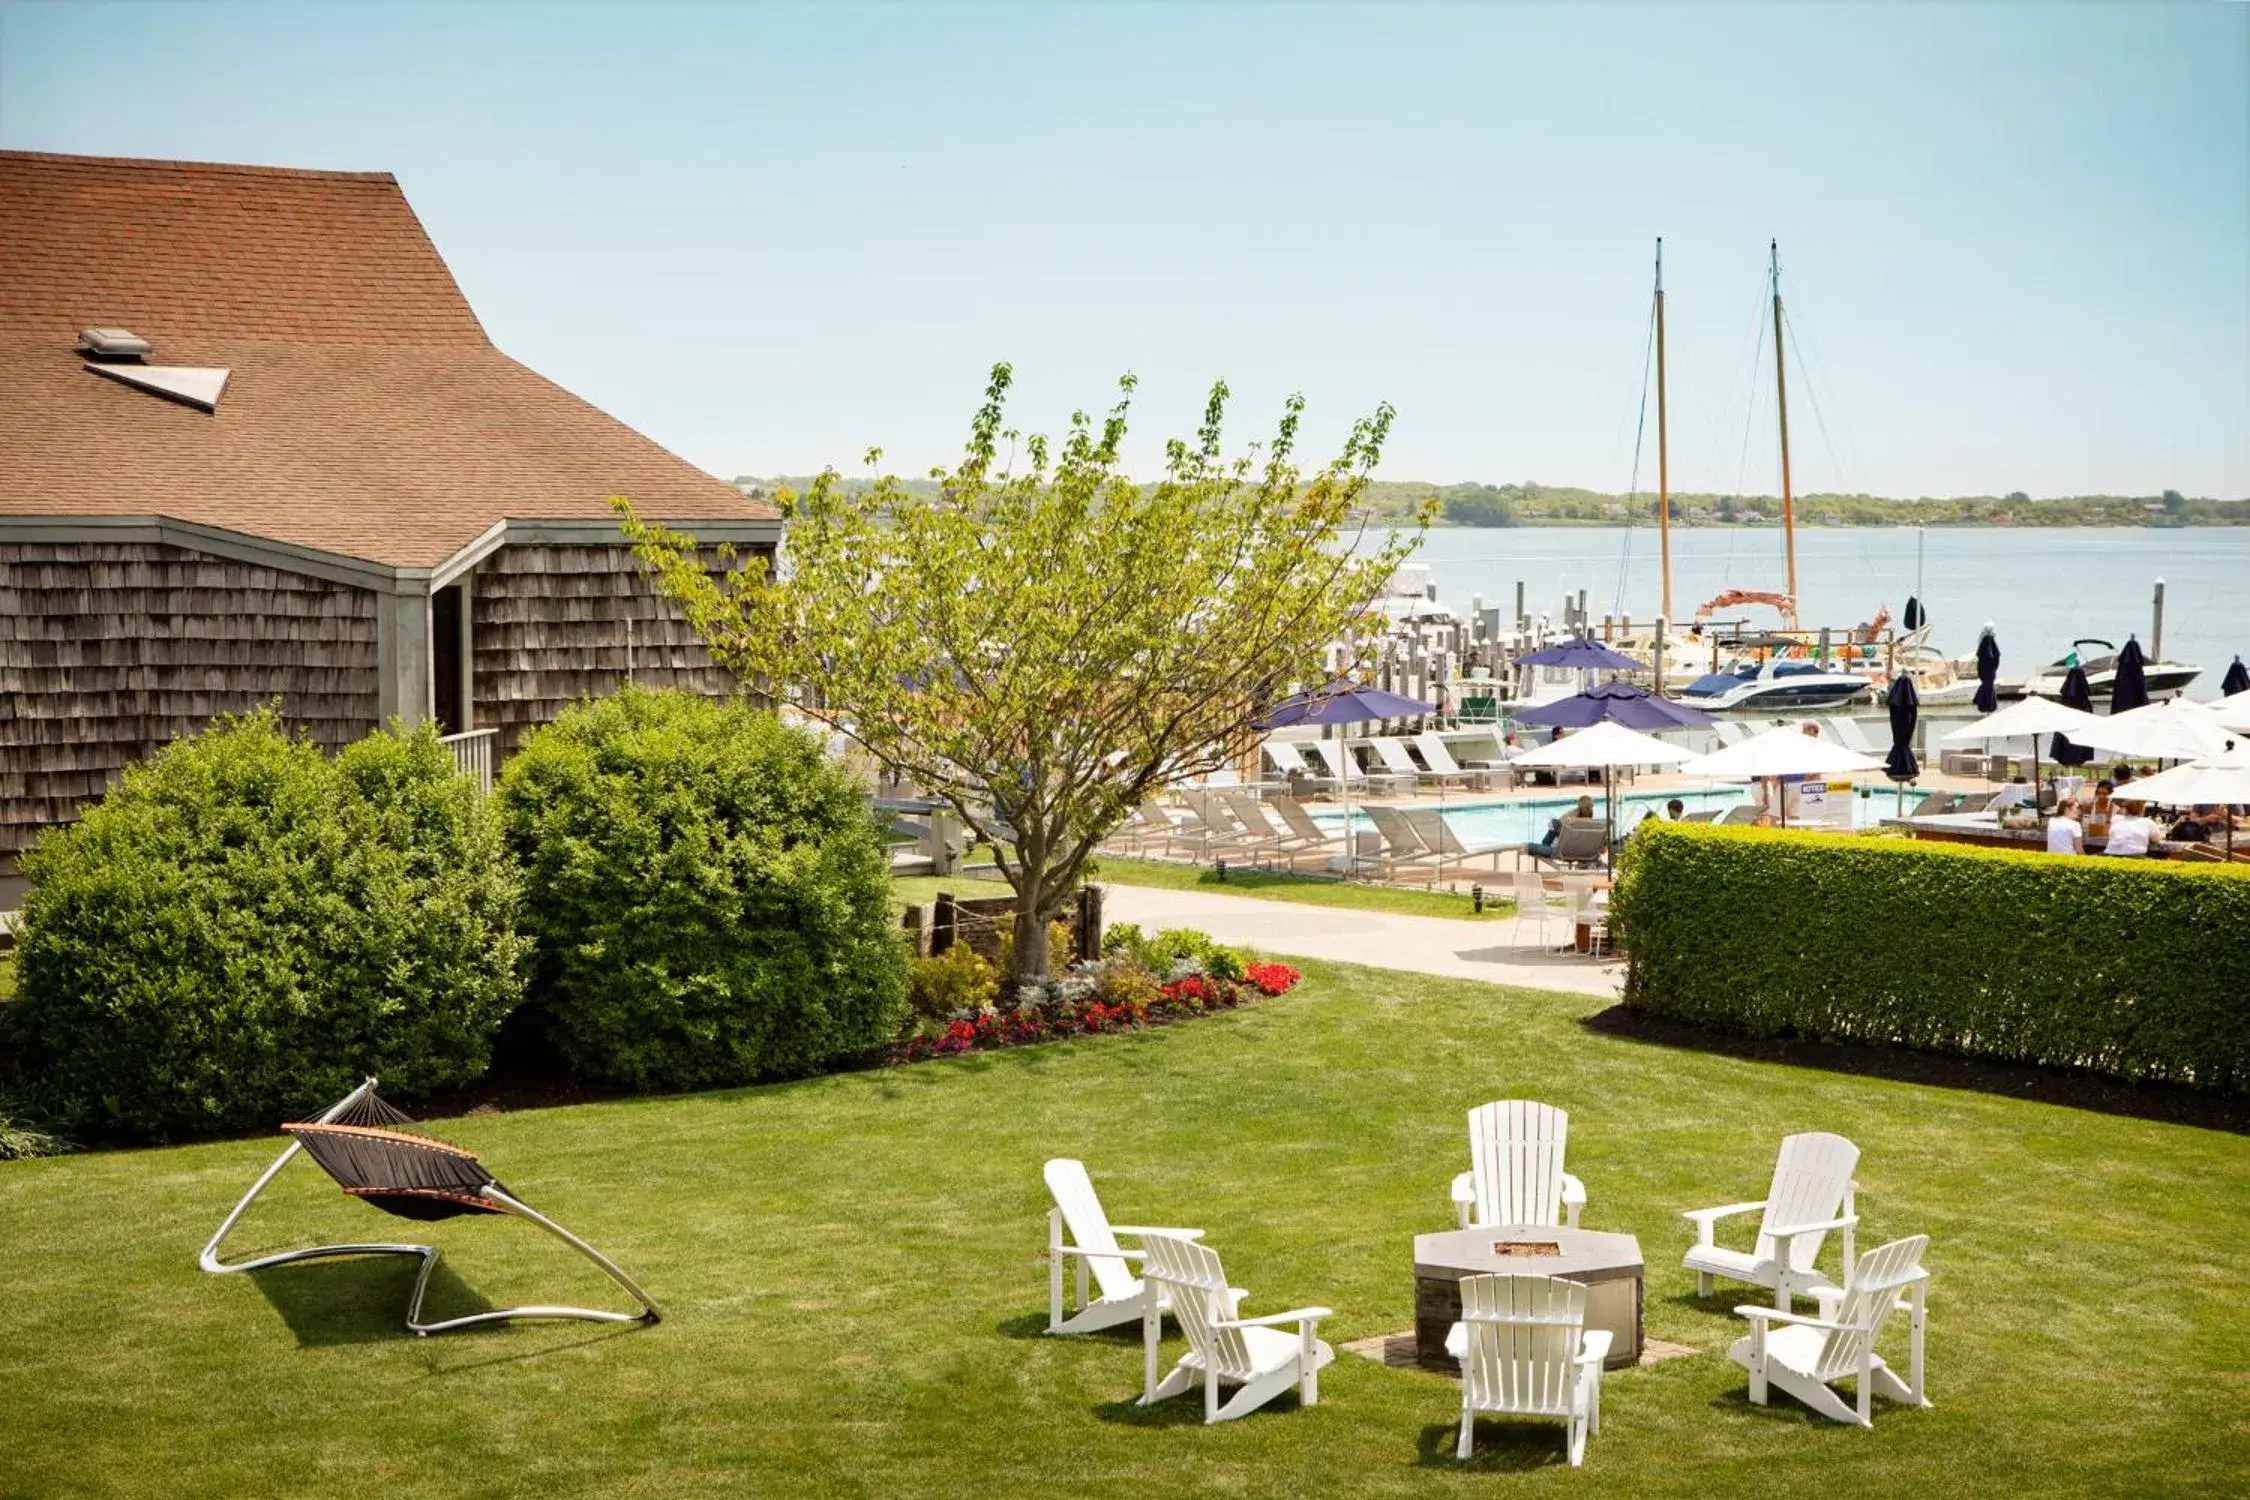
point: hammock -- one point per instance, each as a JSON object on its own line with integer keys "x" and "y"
{"x": 358, "y": 1143}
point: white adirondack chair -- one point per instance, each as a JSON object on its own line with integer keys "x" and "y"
{"x": 1525, "y": 1351}
{"x": 1812, "y": 1192}
{"x": 1806, "y": 1356}
{"x": 1516, "y": 1171}
{"x": 1078, "y": 1230}
{"x": 1251, "y": 1354}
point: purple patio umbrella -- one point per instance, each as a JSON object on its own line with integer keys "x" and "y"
{"x": 1906, "y": 707}
{"x": 1583, "y": 654}
{"x": 1344, "y": 702}
{"x": 1634, "y": 707}
{"x": 2075, "y": 694}
{"x": 1988, "y": 670}
{"x": 2128, "y": 690}
{"x": 2237, "y": 680}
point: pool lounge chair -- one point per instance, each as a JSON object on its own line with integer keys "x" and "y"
{"x": 1392, "y": 753}
{"x": 1579, "y": 842}
{"x": 1346, "y": 770}
{"x": 1935, "y": 803}
{"x": 1742, "y": 815}
{"x": 1438, "y": 755}
{"x": 1270, "y": 845}
{"x": 1298, "y": 819}
{"x": 1438, "y": 835}
{"x": 1288, "y": 758}
{"x": 1405, "y": 856}
{"x": 1846, "y": 732}
{"x": 1708, "y": 815}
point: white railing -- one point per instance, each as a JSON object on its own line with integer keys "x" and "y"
{"x": 472, "y": 754}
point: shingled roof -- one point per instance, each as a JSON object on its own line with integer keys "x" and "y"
{"x": 367, "y": 414}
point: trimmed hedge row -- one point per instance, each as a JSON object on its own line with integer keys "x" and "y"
{"x": 2130, "y": 967}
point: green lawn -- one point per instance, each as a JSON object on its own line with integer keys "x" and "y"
{"x": 1272, "y": 886}
{"x": 852, "y": 1272}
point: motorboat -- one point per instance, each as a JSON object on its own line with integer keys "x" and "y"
{"x": 1777, "y": 684}
{"x": 2166, "y": 679}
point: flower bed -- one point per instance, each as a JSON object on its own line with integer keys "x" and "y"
{"x": 1113, "y": 996}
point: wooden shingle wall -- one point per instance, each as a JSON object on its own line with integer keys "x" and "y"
{"x": 110, "y": 651}
{"x": 553, "y": 624}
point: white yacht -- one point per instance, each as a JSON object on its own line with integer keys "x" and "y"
{"x": 2166, "y": 679}
{"x": 1778, "y": 684}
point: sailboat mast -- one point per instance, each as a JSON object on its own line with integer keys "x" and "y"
{"x": 1663, "y": 454}
{"x": 1781, "y": 391}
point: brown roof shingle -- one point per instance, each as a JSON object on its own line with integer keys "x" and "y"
{"x": 367, "y": 413}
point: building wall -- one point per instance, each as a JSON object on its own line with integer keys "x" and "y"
{"x": 552, "y": 624}
{"x": 108, "y": 651}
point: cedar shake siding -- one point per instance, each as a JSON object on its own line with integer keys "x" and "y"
{"x": 110, "y": 651}
{"x": 554, "y": 624}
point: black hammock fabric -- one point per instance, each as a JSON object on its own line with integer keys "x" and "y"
{"x": 411, "y": 1176}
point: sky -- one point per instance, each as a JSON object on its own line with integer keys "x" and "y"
{"x": 2015, "y": 238}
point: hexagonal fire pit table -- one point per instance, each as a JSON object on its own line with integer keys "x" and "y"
{"x": 1609, "y": 1266}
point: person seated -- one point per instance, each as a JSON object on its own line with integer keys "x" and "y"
{"x": 2130, "y": 834}
{"x": 2065, "y": 835}
{"x": 1545, "y": 848}
{"x": 1675, "y": 809}
{"x": 2200, "y": 826}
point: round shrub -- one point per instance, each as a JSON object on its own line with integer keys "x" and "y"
{"x": 244, "y": 928}
{"x": 711, "y": 896}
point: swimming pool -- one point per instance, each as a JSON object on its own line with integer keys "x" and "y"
{"x": 1482, "y": 824}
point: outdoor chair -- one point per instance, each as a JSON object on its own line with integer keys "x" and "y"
{"x": 1298, "y": 819}
{"x": 1934, "y": 804}
{"x": 358, "y": 1142}
{"x": 1589, "y": 911}
{"x": 1742, "y": 815}
{"x": 1540, "y": 906}
{"x": 1078, "y": 1230}
{"x": 1438, "y": 836}
{"x": 1578, "y": 842}
{"x": 1404, "y": 856}
{"x": 1806, "y": 1356}
{"x": 1846, "y": 732}
{"x": 1811, "y": 1193}
{"x": 1345, "y": 770}
{"x": 1706, "y": 816}
{"x": 1525, "y": 1351}
{"x": 1439, "y": 757}
{"x": 1251, "y": 1354}
{"x": 1516, "y": 1171}
{"x": 1981, "y": 802}
{"x": 1392, "y": 753}
{"x": 1288, "y": 759}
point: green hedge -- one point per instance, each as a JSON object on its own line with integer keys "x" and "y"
{"x": 244, "y": 928}
{"x": 2136, "y": 968}
{"x": 710, "y": 894}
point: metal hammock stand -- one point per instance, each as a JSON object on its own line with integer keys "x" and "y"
{"x": 357, "y": 1142}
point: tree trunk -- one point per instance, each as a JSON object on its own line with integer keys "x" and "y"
{"x": 1031, "y": 956}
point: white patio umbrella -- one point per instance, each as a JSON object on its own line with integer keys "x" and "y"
{"x": 2234, "y": 712}
{"x": 2033, "y": 717}
{"x": 2221, "y": 781}
{"x": 1605, "y": 745}
{"x": 2170, "y": 729}
{"x": 1787, "y": 751}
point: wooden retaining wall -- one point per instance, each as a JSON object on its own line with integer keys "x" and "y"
{"x": 110, "y": 651}
{"x": 553, "y": 624}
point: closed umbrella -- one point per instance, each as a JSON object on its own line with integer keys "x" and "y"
{"x": 1620, "y": 703}
{"x": 2128, "y": 690}
{"x": 1988, "y": 671}
{"x": 1915, "y": 616}
{"x": 1605, "y": 746}
{"x": 1906, "y": 707}
{"x": 2237, "y": 679}
{"x": 1344, "y": 702}
{"x": 2075, "y": 694}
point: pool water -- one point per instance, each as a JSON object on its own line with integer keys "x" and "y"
{"x": 1483, "y": 824}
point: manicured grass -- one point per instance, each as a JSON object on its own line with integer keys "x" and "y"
{"x": 851, "y": 1268}
{"x": 1272, "y": 886}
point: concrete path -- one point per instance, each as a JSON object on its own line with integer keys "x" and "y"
{"x": 1492, "y": 951}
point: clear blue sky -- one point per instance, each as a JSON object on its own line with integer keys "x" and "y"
{"x": 2015, "y": 237}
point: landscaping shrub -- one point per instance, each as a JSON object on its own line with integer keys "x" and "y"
{"x": 244, "y": 928}
{"x": 1174, "y": 952}
{"x": 710, "y": 894}
{"x": 955, "y": 982}
{"x": 2131, "y": 967}
{"x": 1119, "y": 996}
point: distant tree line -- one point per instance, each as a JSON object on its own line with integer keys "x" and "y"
{"x": 1534, "y": 504}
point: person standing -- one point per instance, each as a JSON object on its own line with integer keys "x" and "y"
{"x": 2064, "y": 835}
{"x": 2130, "y": 833}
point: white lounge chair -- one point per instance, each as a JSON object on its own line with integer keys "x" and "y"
{"x": 1852, "y": 737}
{"x": 1078, "y": 1230}
{"x": 1251, "y": 1354}
{"x": 1516, "y": 1171}
{"x": 1405, "y": 856}
{"x": 1288, "y": 757}
{"x": 1283, "y": 846}
{"x": 1344, "y": 769}
{"x": 1439, "y": 756}
{"x": 1438, "y": 836}
{"x": 1806, "y": 1356}
{"x": 1525, "y": 1351}
{"x": 1298, "y": 819}
{"x": 1812, "y": 1192}
{"x": 1392, "y": 753}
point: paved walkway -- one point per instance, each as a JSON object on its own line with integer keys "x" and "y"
{"x": 1492, "y": 951}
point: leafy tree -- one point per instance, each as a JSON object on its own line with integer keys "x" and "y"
{"x": 1045, "y": 645}
{"x": 2173, "y": 500}
{"x": 1479, "y": 506}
